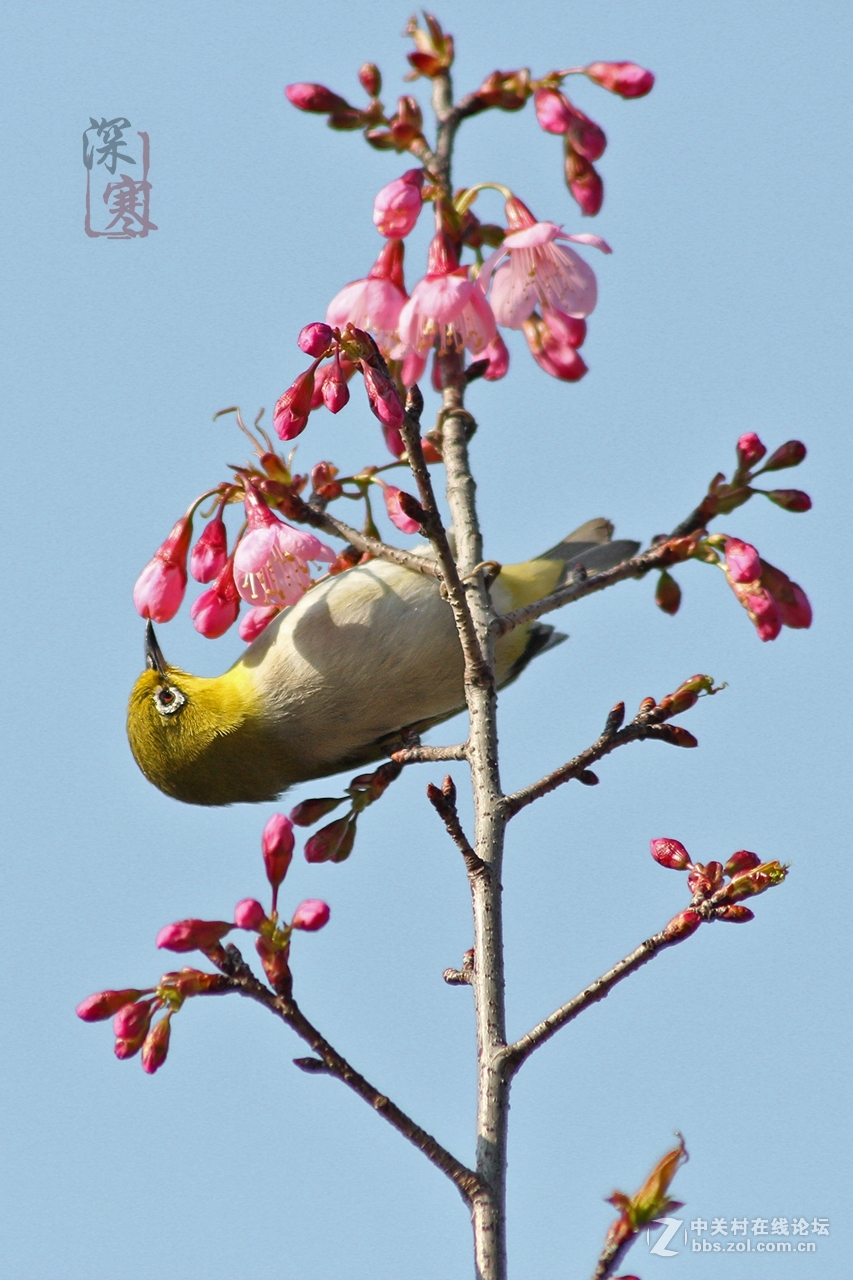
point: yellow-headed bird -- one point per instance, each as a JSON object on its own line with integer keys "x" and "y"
{"x": 333, "y": 682}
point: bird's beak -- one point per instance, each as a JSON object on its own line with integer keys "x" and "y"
{"x": 153, "y": 657}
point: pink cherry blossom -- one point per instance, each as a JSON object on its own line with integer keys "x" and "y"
{"x": 540, "y": 273}
{"x": 742, "y": 561}
{"x": 375, "y": 303}
{"x": 447, "y": 307}
{"x": 290, "y": 416}
{"x": 498, "y": 357}
{"x": 397, "y": 206}
{"x": 382, "y": 395}
{"x": 160, "y": 587}
{"x": 551, "y": 338}
{"x": 553, "y": 110}
{"x": 211, "y": 551}
{"x": 271, "y": 559}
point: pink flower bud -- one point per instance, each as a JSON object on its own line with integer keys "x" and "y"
{"x": 586, "y": 137}
{"x": 211, "y": 551}
{"x": 670, "y": 853}
{"x": 550, "y": 339}
{"x": 734, "y": 914}
{"x": 370, "y": 79}
{"x": 742, "y": 562}
{"x": 793, "y": 604}
{"x": 192, "y": 935}
{"x": 396, "y": 514}
{"x": 789, "y": 499}
{"x": 764, "y": 612}
{"x": 132, "y": 1022}
{"x": 310, "y": 915}
{"x": 290, "y": 416}
{"x": 583, "y": 182}
{"x": 249, "y": 914}
{"x": 156, "y": 1046}
{"x": 331, "y": 843}
{"x": 789, "y": 454}
{"x": 393, "y": 441}
{"x": 217, "y": 609}
{"x": 397, "y": 206}
{"x": 553, "y": 110}
{"x": 497, "y": 355}
{"x": 277, "y": 843}
{"x": 741, "y": 861}
{"x": 315, "y": 98}
{"x": 682, "y": 925}
{"x": 160, "y": 587}
{"x": 103, "y": 1004}
{"x": 624, "y": 78}
{"x": 750, "y": 450}
{"x": 383, "y": 397}
{"x": 315, "y": 339}
{"x": 256, "y": 621}
{"x": 127, "y": 1048}
{"x": 308, "y": 812}
{"x": 334, "y": 391}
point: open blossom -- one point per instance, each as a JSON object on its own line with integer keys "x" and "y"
{"x": 447, "y": 307}
{"x": 397, "y": 206}
{"x": 540, "y": 272}
{"x": 375, "y": 303}
{"x": 160, "y": 587}
{"x": 271, "y": 560}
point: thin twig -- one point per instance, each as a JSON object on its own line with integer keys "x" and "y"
{"x": 443, "y": 800}
{"x": 382, "y": 550}
{"x": 428, "y": 755}
{"x": 638, "y": 566}
{"x": 433, "y": 529}
{"x": 643, "y": 726}
{"x": 515, "y": 1054}
{"x": 243, "y": 981}
{"x": 610, "y": 1257}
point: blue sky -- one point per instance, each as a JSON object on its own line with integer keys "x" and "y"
{"x": 724, "y": 308}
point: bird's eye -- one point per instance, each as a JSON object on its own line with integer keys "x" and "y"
{"x": 168, "y": 700}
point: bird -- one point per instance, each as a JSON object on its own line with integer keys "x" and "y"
{"x": 364, "y": 661}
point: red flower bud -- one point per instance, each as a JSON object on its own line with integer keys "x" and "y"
{"x": 216, "y": 610}
{"x": 308, "y": 812}
{"x": 277, "y": 844}
{"x": 132, "y": 1022}
{"x": 156, "y": 1046}
{"x": 315, "y": 98}
{"x": 742, "y": 562}
{"x": 160, "y": 587}
{"x": 332, "y": 843}
{"x": 789, "y": 454}
{"x": 682, "y": 925}
{"x": 315, "y": 339}
{"x": 290, "y": 416}
{"x": 210, "y": 553}
{"x": 749, "y": 450}
{"x": 370, "y": 79}
{"x": 741, "y": 861}
{"x": 103, "y": 1004}
{"x": 249, "y": 914}
{"x": 668, "y": 594}
{"x": 553, "y": 110}
{"x": 192, "y": 935}
{"x": 734, "y": 913}
{"x": 670, "y": 853}
{"x": 624, "y": 78}
{"x": 789, "y": 499}
{"x": 382, "y": 396}
{"x": 756, "y": 881}
{"x": 310, "y": 915}
{"x": 583, "y": 181}
{"x": 194, "y": 982}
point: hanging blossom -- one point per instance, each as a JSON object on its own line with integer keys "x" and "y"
{"x": 447, "y": 307}
{"x": 374, "y": 303}
{"x": 540, "y": 273}
{"x": 397, "y": 207}
{"x": 271, "y": 560}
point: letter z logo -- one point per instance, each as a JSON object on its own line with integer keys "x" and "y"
{"x": 670, "y": 1226}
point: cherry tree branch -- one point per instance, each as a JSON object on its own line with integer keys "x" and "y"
{"x": 245, "y": 983}
{"x": 646, "y": 724}
{"x": 330, "y": 524}
{"x": 515, "y": 1054}
{"x": 429, "y": 755}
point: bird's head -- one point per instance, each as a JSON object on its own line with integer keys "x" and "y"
{"x": 187, "y": 733}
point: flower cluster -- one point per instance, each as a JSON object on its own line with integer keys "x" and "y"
{"x": 769, "y": 596}
{"x": 718, "y": 889}
{"x": 133, "y": 1010}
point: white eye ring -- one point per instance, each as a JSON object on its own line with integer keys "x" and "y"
{"x": 168, "y": 700}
